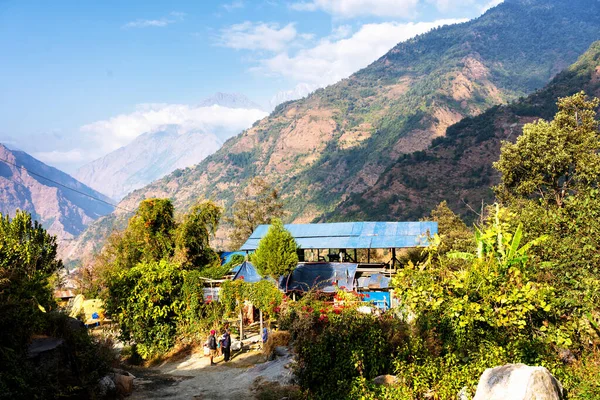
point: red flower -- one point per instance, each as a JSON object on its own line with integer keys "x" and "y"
{"x": 242, "y": 277}
{"x": 323, "y": 318}
{"x": 276, "y": 310}
{"x": 322, "y": 311}
{"x": 337, "y": 311}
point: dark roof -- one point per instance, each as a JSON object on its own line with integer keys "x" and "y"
{"x": 327, "y": 277}
{"x": 353, "y": 235}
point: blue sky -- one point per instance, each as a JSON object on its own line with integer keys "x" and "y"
{"x": 76, "y": 77}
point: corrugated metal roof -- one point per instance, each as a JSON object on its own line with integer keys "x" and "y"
{"x": 353, "y": 235}
{"x": 327, "y": 277}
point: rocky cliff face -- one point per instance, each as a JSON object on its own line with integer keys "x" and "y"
{"x": 336, "y": 143}
{"x": 64, "y": 213}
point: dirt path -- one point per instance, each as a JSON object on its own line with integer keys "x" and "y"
{"x": 195, "y": 378}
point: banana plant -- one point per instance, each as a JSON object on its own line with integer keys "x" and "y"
{"x": 495, "y": 242}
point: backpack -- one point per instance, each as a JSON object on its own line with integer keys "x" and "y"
{"x": 212, "y": 343}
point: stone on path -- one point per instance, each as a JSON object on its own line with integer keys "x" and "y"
{"x": 518, "y": 382}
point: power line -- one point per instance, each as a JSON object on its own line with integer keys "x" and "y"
{"x": 64, "y": 186}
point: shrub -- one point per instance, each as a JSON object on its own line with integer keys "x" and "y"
{"x": 146, "y": 302}
{"x": 333, "y": 349}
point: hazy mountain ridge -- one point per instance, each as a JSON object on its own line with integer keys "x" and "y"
{"x": 340, "y": 140}
{"x": 63, "y": 212}
{"x": 155, "y": 154}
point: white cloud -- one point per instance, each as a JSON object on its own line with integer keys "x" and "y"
{"x": 355, "y": 8}
{"x": 173, "y": 17}
{"x": 331, "y": 60}
{"x": 258, "y": 36}
{"x": 118, "y": 131}
{"x": 491, "y": 4}
{"x": 448, "y": 5}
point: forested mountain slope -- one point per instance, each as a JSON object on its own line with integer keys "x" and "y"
{"x": 62, "y": 212}
{"x": 458, "y": 168}
{"x": 337, "y": 142}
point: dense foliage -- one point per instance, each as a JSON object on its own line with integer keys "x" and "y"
{"x": 263, "y": 295}
{"x": 276, "y": 254}
{"x": 524, "y": 288}
{"x": 27, "y": 266}
{"x": 153, "y": 274}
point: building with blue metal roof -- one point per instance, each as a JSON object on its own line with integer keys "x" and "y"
{"x": 353, "y": 235}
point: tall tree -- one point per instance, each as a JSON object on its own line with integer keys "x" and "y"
{"x": 276, "y": 253}
{"x": 192, "y": 238}
{"x": 550, "y": 179}
{"x": 553, "y": 160}
{"x": 260, "y": 204}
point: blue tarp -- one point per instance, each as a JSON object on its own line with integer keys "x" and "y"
{"x": 353, "y": 235}
{"x": 327, "y": 277}
{"x": 248, "y": 273}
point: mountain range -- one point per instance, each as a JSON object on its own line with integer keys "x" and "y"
{"x": 343, "y": 148}
{"x": 155, "y": 154}
{"x": 30, "y": 185}
{"x": 458, "y": 167}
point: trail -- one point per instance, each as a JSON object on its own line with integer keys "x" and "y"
{"x": 195, "y": 378}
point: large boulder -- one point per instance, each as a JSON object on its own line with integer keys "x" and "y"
{"x": 518, "y": 382}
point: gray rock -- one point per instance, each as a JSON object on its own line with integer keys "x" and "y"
{"x": 106, "y": 387}
{"x": 464, "y": 394}
{"x": 236, "y": 345}
{"x": 385, "y": 380}
{"x": 282, "y": 351}
{"x": 518, "y": 382}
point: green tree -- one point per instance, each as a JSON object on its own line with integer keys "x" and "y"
{"x": 553, "y": 160}
{"x": 550, "y": 182}
{"x": 276, "y": 254}
{"x": 192, "y": 237}
{"x": 27, "y": 261}
{"x": 454, "y": 233}
{"x": 147, "y": 303}
{"x": 260, "y": 204}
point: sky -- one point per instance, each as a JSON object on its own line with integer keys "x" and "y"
{"x": 79, "y": 79}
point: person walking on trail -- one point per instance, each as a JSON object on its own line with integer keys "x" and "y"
{"x": 265, "y": 336}
{"x": 212, "y": 347}
{"x": 226, "y": 345}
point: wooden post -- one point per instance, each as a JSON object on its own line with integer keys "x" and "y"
{"x": 355, "y": 256}
{"x": 261, "y": 323}
{"x": 369, "y": 255}
{"x": 242, "y": 323}
{"x": 394, "y": 258}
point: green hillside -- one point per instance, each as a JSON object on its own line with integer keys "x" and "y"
{"x": 336, "y": 143}
{"x": 458, "y": 167}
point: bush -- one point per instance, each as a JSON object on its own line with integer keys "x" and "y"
{"x": 335, "y": 348}
{"x": 146, "y": 302}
